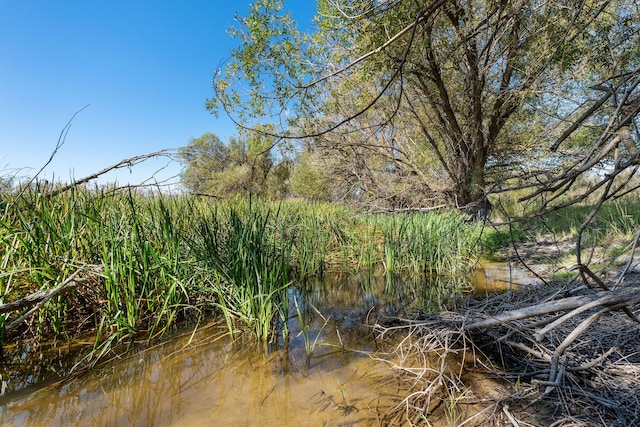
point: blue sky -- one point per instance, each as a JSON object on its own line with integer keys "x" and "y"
{"x": 143, "y": 67}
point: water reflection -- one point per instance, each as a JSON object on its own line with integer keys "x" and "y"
{"x": 366, "y": 297}
{"x": 490, "y": 277}
{"x": 19, "y": 368}
{"x": 208, "y": 379}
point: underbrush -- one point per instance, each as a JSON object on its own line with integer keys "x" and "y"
{"x": 611, "y": 229}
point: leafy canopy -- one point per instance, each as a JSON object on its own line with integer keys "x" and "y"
{"x": 440, "y": 100}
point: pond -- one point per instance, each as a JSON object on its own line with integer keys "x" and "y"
{"x": 491, "y": 276}
{"x": 331, "y": 371}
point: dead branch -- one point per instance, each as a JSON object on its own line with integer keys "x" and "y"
{"x": 555, "y": 375}
{"x": 583, "y": 308}
{"x": 626, "y": 296}
{"x": 625, "y": 270}
{"x": 584, "y": 269}
{"x": 126, "y": 163}
{"x": 40, "y": 298}
{"x": 593, "y": 109}
{"x": 61, "y": 140}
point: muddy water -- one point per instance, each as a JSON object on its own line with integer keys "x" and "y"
{"x": 208, "y": 380}
{"x": 491, "y": 277}
{"x": 324, "y": 374}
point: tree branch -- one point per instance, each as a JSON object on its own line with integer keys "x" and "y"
{"x": 40, "y": 298}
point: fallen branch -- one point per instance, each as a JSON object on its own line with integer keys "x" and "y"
{"x": 557, "y": 372}
{"x": 130, "y": 162}
{"x": 542, "y": 332}
{"x": 587, "y": 361}
{"x": 39, "y": 299}
{"x": 626, "y": 296}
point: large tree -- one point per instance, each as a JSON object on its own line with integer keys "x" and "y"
{"x": 415, "y": 100}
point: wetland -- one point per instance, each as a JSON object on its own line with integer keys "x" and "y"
{"x": 331, "y": 370}
{"x": 122, "y": 307}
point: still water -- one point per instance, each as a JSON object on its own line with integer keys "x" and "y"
{"x": 331, "y": 371}
{"x": 205, "y": 382}
{"x": 490, "y": 277}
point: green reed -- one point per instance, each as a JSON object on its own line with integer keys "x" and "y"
{"x": 148, "y": 261}
{"x": 420, "y": 243}
{"x": 251, "y": 255}
{"x": 133, "y": 243}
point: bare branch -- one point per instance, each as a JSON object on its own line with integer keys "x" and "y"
{"x": 126, "y": 163}
{"x": 39, "y": 299}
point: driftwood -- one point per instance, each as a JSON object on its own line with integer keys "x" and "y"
{"x": 547, "y": 340}
{"x": 614, "y": 299}
{"x": 40, "y": 298}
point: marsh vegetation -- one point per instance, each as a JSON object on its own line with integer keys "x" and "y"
{"x": 125, "y": 266}
{"x": 88, "y": 274}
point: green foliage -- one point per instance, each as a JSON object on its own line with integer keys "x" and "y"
{"x": 148, "y": 262}
{"x": 310, "y": 179}
{"x": 204, "y": 157}
{"x": 611, "y": 229}
{"x": 250, "y": 255}
{"x": 616, "y": 221}
{"x": 410, "y": 102}
{"x": 243, "y": 165}
{"x": 495, "y": 239}
{"x": 429, "y": 243}
{"x": 269, "y": 40}
{"x": 126, "y": 248}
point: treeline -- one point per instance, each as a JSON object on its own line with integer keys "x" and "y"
{"x": 254, "y": 163}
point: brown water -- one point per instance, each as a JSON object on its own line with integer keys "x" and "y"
{"x": 491, "y": 277}
{"x": 209, "y": 380}
{"x": 325, "y": 376}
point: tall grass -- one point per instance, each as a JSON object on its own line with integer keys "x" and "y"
{"x": 157, "y": 260}
{"x": 135, "y": 241}
{"x": 251, "y": 257}
{"x": 616, "y": 220}
{"x": 422, "y": 243}
{"x": 614, "y": 225}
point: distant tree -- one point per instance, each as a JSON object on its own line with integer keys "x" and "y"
{"x": 204, "y": 157}
{"x": 242, "y": 165}
{"x": 310, "y": 178}
{"x": 279, "y": 180}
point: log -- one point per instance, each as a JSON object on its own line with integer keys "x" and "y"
{"x": 624, "y": 296}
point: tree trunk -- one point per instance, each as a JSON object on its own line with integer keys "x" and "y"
{"x": 469, "y": 181}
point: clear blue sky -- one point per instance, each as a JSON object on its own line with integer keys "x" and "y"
{"x": 145, "y": 68}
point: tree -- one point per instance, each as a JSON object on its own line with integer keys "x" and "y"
{"x": 426, "y": 93}
{"x": 310, "y": 178}
{"x": 243, "y": 165}
{"x": 204, "y": 157}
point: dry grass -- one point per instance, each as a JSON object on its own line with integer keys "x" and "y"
{"x": 500, "y": 375}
